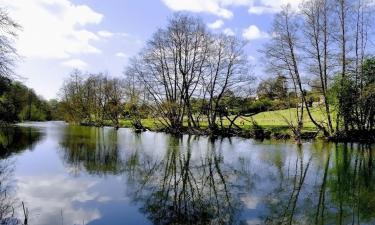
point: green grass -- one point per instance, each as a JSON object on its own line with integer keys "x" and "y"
{"x": 278, "y": 118}
{"x": 150, "y": 123}
{"x": 273, "y": 120}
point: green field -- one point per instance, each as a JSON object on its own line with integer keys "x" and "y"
{"x": 278, "y": 118}
{"x": 269, "y": 120}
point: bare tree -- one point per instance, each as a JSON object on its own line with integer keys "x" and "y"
{"x": 363, "y": 25}
{"x": 72, "y": 98}
{"x": 352, "y": 38}
{"x": 7, "y": 201}
{"x": 185, "y": 61}
{"x": 136, "y": 106}
{"x": 8, "y": 53}
{"x": 228, "y": 69}
{"x": 283, "y": 58}
{"x": 93, "y": 98}
{"x": 317, "y": 49}
{"x": 114, "y": 93}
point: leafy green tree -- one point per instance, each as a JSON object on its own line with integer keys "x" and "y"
{"x": 273, "y": 88}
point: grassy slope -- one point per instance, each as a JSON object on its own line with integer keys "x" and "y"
{"x": 277, "y": 118}
{"x": 269, "y": 120}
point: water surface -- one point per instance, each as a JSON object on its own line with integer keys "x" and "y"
{"x": 81, "y": 175}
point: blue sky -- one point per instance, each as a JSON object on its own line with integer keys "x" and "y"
{"x": 101, "y": 35}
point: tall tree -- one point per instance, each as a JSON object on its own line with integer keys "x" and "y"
{"x": 170, "y": 68}
{"x": 283, "y": 58}
{"x": 114, "y": 92}
{"x": 8, "y": 53}
{"x": 185, "y": 61}
{"x": 344, "y": 12}
{"x": 227, "y": 70}
{"x": 317, "y": 31}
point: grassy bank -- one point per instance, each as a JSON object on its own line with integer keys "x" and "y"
{"x": 271, "y": 119}
{"x": 274, "y": 123}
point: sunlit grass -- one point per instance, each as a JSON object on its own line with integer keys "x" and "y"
{"x": 270, "y": 120}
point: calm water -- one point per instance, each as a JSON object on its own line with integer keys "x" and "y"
{"x": 79, "y": 175}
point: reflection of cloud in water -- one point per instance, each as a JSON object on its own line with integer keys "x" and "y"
{"x": 46, "y": 197}
{"x": 250, "y": 202}
{"x": 254, "y": 222}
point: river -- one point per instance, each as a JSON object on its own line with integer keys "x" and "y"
{"x": 69, "y": 175}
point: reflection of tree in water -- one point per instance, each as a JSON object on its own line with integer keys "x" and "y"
{"x": 8, "y": 203}
{"x": 183, "y": 187}
{"x": 351, "y": 184}
{"x": 92, "y": 149}
{"x": 340, "y": 189}
{"x": 13, "y": 140}
{"x": 283, "y": 201}
{"x": 17, "y": 139}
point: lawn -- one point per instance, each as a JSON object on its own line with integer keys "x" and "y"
{"x": 269, "y": 120}
{"x": 278, "y": 118}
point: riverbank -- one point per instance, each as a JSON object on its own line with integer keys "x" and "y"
{"x": 255, "y": 132}
{"x": 265, "y": 125}
{"x": 355, "y": 136}
{"x": 247, "y": 130}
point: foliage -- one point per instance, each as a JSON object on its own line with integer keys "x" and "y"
{"x": 355, "y": 97}
{"x": 273, "y": 88}
{"x": 92, "y": 100}
{"x": 19, "y": 103}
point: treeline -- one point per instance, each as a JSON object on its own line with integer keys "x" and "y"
{"x": 184, "y": 74}
{"x": 95, "y": 99}
{"x": 19, "y": 103}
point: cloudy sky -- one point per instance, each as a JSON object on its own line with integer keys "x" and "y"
{"x": 101, "y": 35}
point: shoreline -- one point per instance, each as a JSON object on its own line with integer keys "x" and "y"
{"x": 262, "y": 133}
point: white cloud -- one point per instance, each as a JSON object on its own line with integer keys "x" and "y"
{"x": 272, "y": 6}
{"x": 259, "y": 10}
{"x": 75, "y": 64}
{"x": 216, "y": 7}
{"x": 123, "y": 34}
{"x": 229, "y": 32}
{"x": 216, "y": 25}
{"x": 251, "y": 58}
{"x": 121, "y": 55}
{"x": 272, "y": 3}
{"x": 220, "y": 7}
{"x": 253, "y": 33}
{"x": 105, "y": 34}
{"x": 53, "y": 28}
